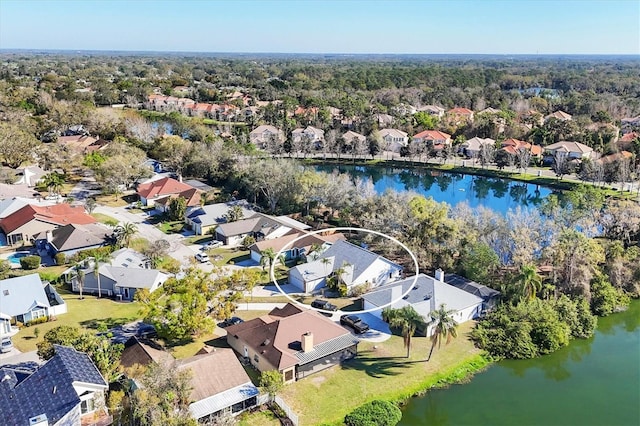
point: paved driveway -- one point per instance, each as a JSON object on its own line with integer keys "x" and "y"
{"x": 378, "y": 330}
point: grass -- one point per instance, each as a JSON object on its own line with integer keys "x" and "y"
{"x": 228, "y": 255}
{"x": 89, "y": 313}
{"x": 171, "y": 227}
{"x": 190, "y": 348}
{"x": 258, "y": 418}
{"x": 106, "y": 219}
{"x": 198, "y": 239}
{"x": 381, "y": 371}
{"x": 111, "y": 200}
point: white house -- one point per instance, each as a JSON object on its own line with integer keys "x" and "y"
{"x": 262, "y": 135}
{"x": 570, "y": 150}
{"x": 393, "y": 139}
{"x": 259, "y": 226}
{"x": 203, "y": 219}
{"x": 27, "y": 298}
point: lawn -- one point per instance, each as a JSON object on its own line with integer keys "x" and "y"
{"x": 171, "y": 227}
{"x": 380, "y": 371}
{"x": 89, "y": 313}
{"x": 106, "y": 219}
{"x": 258, "y": 418}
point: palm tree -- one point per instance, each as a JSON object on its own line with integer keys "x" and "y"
{"x": 99, "y": 257}
{"x": 407, "y": 319}
{"x": 124, "y": 233}
{"x": 80, "y": 278}
{"x": 267, "y": 258}
{"x": 529, "y": 282}
{"x": 445, "y": 328}
{"x": 54, "y": 182}
{"x": 337, "y": 282}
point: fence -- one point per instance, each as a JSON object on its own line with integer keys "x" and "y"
{"x": 292, "y": 416}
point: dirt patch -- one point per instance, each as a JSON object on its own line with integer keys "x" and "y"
{"x": 318, "y": 380}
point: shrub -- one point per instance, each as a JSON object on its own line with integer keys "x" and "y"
{"x": 30, "y": 262}
{"x": 374, "y": 413}
{"x": 40, "y": 320}
{"x": 61, "y": 259}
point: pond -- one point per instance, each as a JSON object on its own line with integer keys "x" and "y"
{"x": 498, "y": 194}
{"x": 590, "y": 382}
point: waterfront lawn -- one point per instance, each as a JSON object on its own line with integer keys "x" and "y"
{"x": 380, "y": 371}
{"x": 89, "y": 313}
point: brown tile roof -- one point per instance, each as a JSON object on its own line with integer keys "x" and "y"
{"x": 629, "y": 137}
{"x": 460, "y": 111}
{"x": 305, "y": 242}
{"x": 612, "y": 158}
{"x": 58, "y": 214}
{"x": 163, "y": 186}
{"x": 433, "y": 135}
{"x": 143, "y": 353}
{"x": 191, "y": 195}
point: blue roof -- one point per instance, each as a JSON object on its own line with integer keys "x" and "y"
{"x": 49, "y": 390}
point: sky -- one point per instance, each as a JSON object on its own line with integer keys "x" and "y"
{"x": 315, "y": 26}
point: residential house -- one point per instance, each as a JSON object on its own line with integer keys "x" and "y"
{"x": 393, "y": 139}
{"x": 296, "y": 245}
{"x": 514, "y": 146}
{"x": 559, "y": 115}
{"x": 434, "y": 110}
{"x": 432, "y": 138}
{"x": 9, "y": 206}
{"x": 353, "y": 138}
{"x": 70, "y": 239}
{"x": 358, "y": 265}
{"x": 30, "y": 176}
{"x": 78, "y": 144}
{"x": 472, "y": 147}
{"x": 294, "y": 341}
{"x": 67, "y": 390}
{"x": 460, "y": 115}
{"x": 27, "y": 298}
{"x": 22, "y": 225}
{"x": 625, "y": 142}
{"x": 425, "y": 294}
{"x": 615, "y": 158}
{"x": 191, "y": 196}
{"x": 314, "y": 136}
{"x": 160, "y": 188}
{"x": 259, "y": 226}
{"x": 383, "y": 120}
{"x": 219, "y": 384}
{"x": 120, "y": 280}
{"x": 204, "y": 219}
{"x": 306, "y": 114}
{"x": 489, "y": 296}
{"x": 489, "y": 110}
{"x": 570, "y": 150}
{"x": 263, "y": 135}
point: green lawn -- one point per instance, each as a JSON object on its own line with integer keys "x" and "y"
{"x": 89, "y": 313}
{"x": 106, "y": 219}
{"x": 380, "y": 371}
{"x": 171, "y": 227}
{"x": 258, "y": 418}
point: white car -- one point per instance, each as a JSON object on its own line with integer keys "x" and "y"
{"x": 212, "y": 244}
{"x": 202, "y": 257}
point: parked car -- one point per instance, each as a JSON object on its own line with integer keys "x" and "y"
{"x": 230, "y": 321}
{"x": 355, "y": 323}
{"x": 212, "y": 245}
{"x": 202, "y": 257}
{"x": 324, "y": 304}
{"x": 6, "y": 345}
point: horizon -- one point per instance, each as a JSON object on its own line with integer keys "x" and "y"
{"x": 458, "y": 27}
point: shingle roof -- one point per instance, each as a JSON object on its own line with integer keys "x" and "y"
{"x": 395, "y": 133}
{"x": 49, "y": 390}
{"x": 21, "y": 294}
{"x": 163, "y": 186}
{"x": 132, "y": 277}
{"x": 569, "y": 147}
{"x": 213, "y": 214}
{"x": 143, "y": 353}
{"x": 257, "y": 223}
{"x": 470, "y": 286}
{"x": 73, "y": 237}
{"x": 432, "y": 135}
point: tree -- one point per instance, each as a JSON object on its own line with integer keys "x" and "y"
{"x": 374, "y": 413}
{"x": 445, "y": 327}
{"x": 80, "y": 277}
{"x": 268, "y": 257}
{"x": 16, "y": 145}
{"x": 53, "y": 181}
{"x": 234, "y": 214}
{"x": 560, "y": 164}
{"x": 156, "y": 251}
{"x": 90, "y": 204}
{"x": 274, "y": 179}
{"x": 407, "y": 319}
{"x": 528, "y": 281}
{"x": 271, "y": 382}
{"x": 177, "y": 208}
{"x": 479, "y": 262}
{"x": 124, "y": 233}
{"x": 98, "y": 258}
{"x": 172, "y": 150}
{"x": 336, "y": 281}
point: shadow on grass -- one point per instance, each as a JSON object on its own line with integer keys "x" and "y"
{"x": 104, "y": 323}
{"x": 379, "y": 367}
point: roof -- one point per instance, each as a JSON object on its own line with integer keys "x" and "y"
{"x": 162, "y": 186}
{"x": 77, "y": 141}
{"x": 213, "y": 214}
{"x": 265, "y": 128}
{"x": 13, "y": 204}
{"x": 432, "y": 135}
{"x": 278, "y": 338}
{"x": 21, "y": 294}
{"x": 460, "y": 111}
{"x": 191, "y": 196}
{"x": 309, "y": 130}
{"x": 305, "y": 241}
{"x": 629, "y": 137}
{"x": 50, "y": 389}
{"x": 569, "y": 147}
{"x": 57, "y": 214}
{"x": 143, "y": 352}
{"x": 470, "y": 286}
{"x": 618, "y": 156}
{"x": 132, "y": 277}
{"x": 475, "y": 143}
{"x": 560, "y": 115}
{"x": 258, "y": 223}
{"x": 72, "y": 237}
{"x": 350, "y": 135}
{"x": 194, "y": 183}
{"x": 395, "y": 133}
{"x": 128, "y": 258}
{"x": 427, "y": 292}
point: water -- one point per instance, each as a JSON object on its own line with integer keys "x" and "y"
{"x": 498, "y": 194}
{"x": 15, "y": 257}
{"x": 590, "y": 382}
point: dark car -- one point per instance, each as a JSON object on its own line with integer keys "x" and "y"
{"x": 230, "y": 321}
{"x": 324, "y": 304}
{"x": 354, "y": 322}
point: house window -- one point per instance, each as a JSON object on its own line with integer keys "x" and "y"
{"x": 288, "y": 375}
{"x": 38, "y": 313}
{"x": 255, "y": 358}
{"x": 87, "y": 403}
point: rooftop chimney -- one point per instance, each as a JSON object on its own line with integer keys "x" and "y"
{"x": 49, "y": 236}
{"x": 396, "y": 294}
{"x": 307, "y": 342}
{"x": 440, "y": 275}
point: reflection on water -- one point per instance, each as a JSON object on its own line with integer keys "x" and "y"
{"x": 453, "y": 188}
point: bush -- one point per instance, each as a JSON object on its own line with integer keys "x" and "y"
{"x": 40, "y": 320}
{"x": 374, "y": 413}
{"x": 61, "y": 259}
{"x": 30, "y": 262}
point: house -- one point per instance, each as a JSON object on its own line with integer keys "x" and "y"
{"x": 205, "y": 218}
{"x": 425, "y": 294}
{"x": 192, "y": 197}
{"x": 460, "y": 115}
{"x": 489, "y": 296}
{"x": 22, "y": 225}
{"x": 67, "y": 390}
{"x": 393, "y": 139}
{"x": 434, "y": 110}
{"x": 116, "y": 280}
{"x": 559, "y": 115}
{"x": 353, "y": 138}
{"x": 27, "y": 298}
{"x": 9, "y": 206}
{"x": 626, "y": 141}
{"x": 473, "y": 146}
{"x": 489, "y": 110}
{"x": 294, "y": 341}
{"x": 514, "y": 146}
{"x": 313, "y": 135}
{"x": 263, "y": 135}
{"x": 298, "y": 245}
{"x": 129, "y": 258}
{"x": 30, "y": 176}
{"x": 571, "y": 150}
{"x": 432, "y": 138}
{"x": 383, "y": 120}
{"x": 615, "y": 158}
{"x": 358, "y": 265}
{"x": 160, "y": 188}
{"x": 219, "y": 384}
{"x": 70, "y": 239}
{"x": 78, "y": 144}
{"x": 258, "y": 226}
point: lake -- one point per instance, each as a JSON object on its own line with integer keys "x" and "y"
{"x": 498, "y": 194}
{"x": 590, "y": 382}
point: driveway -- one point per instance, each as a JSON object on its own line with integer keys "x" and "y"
{"x": 378, "y": 330}
{"x": 17, "y": 357}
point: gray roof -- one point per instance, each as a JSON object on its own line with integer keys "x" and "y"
{"x": 132, "y": 277}
{"x": 213, "y": 214}
{"x": 257, "y": 223}
{"x": 49, "y": 390}
{"x": 128, "y": 258}
{"x": 223, "y": 400}
{"x": 327, "y": 348}
{"x": 359, "y": 258}
{"x": 427, "y": 291}
{"x": 198, "y": 185}
{"x": 21, "y": 294}
{"x": 470, "y": 286}
{"x": 73, "y": 237}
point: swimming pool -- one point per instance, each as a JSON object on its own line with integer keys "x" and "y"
{"x": 15, "y": 257}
